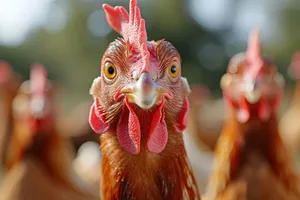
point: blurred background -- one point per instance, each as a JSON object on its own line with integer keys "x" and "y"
{"x": 70, "y": 36}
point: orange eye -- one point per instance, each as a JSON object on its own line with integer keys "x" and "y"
{"x": 173, "y": 69}
{"x": 110, "y": 71}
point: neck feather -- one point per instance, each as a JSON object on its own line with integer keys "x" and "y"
{"x": 166, "y": 175}
{"x": 54, "y": 152}
{"x": 263, "y": 138}
{"x": 6, "y": 123}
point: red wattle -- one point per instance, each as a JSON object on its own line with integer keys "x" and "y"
{"x": 182, "y": 122}
{"x": 229, "y": 99}
{"x": 158, "y": 133}
{"x": 243, "y": 112}
{"x": 95, "y": 121}
{"x": 276, "y": 101}
{"x": 128, "y": 130}
{"x": 264, "y": 110}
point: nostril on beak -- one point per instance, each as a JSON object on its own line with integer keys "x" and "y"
{"x": 146, "y": 83}
{"x": 135, "y": 76}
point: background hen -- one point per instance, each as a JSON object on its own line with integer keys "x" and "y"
{"x": 251, "y": 161}
{"x": 9, "y": 82}
{"x": 39, "y": 159}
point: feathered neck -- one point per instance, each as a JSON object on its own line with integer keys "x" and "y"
{"x": 263, "y": 138}
{"x": 6, "y": 122}
{"x": 166, "y": 175}
{"x": 240, "y": 140}
{"x": 50, "y": 149}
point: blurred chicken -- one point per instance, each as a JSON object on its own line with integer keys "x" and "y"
{"x": 9, "y": 82}
{"x": 251, "y": 161}
{"x": 39, "y": 159}
{"x": 206, "y": 118}
{"x": 289, "y": 123}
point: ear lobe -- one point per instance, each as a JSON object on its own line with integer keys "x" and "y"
{"x": 95, "y": 121}
{"x": 264, "y": 110}
{"x": 186, "y": 86}
{"x": 183, "y": 115}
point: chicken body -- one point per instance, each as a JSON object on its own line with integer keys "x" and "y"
{"x": 9, "y": 82}
{"x": 251, "y": 160}
{"x": 289, "y": 123}
{"x": 140, "y": 109}
{"x": 38, "y": 157}
{"x": 253, "y": 166}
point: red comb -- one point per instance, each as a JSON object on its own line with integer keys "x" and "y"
{"x": 5, "y": 71}
{"x": 131, "y": 26}
{"x": 38, "y": 79}
{"x": 253, "y": 55}
{"x": 295, "y": 65}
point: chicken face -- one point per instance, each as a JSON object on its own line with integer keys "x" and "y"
{"x": 140, "y": 84}
{"x": 125, "y": 77}
{"x": 32, "y": 107}
{"x": 252, "y": 84}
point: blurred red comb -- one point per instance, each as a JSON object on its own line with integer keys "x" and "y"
{"x": 5, "y": 71}
{"x": 131, "y": 26}
{"x": 295, "y": 65}
{"x": 253, "y": 54}
{"x": 38, "y": 78}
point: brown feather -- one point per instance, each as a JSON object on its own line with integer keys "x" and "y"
{"x": 249, "y": 154}
{"x": 146, "y": 176}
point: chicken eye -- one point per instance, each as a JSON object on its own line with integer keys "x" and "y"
{"x": 110, "y": 70}
{"x": 173, "y": 69}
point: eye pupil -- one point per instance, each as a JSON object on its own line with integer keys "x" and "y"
{"x": 173, "y": 69}
{"x": 111, "y": 70}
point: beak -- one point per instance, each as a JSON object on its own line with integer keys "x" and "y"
{"x": 38, "y": 106}
{"x": 145, "y": 92}
{"x": 253, "y": 97}
{"x": 252, "y": 92}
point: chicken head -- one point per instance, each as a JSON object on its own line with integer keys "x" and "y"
{"x": 32, "y": 107}
{"x": 140, "y": 90}
{"x": 252, "y": 85}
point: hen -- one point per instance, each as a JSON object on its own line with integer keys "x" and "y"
{"x": 289, "y": 123}
{"x": 39, "y": 159}
{"x": 251, "y": 161}
{"x": 140, "y": 109}
{"x": 9, "y": 82}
